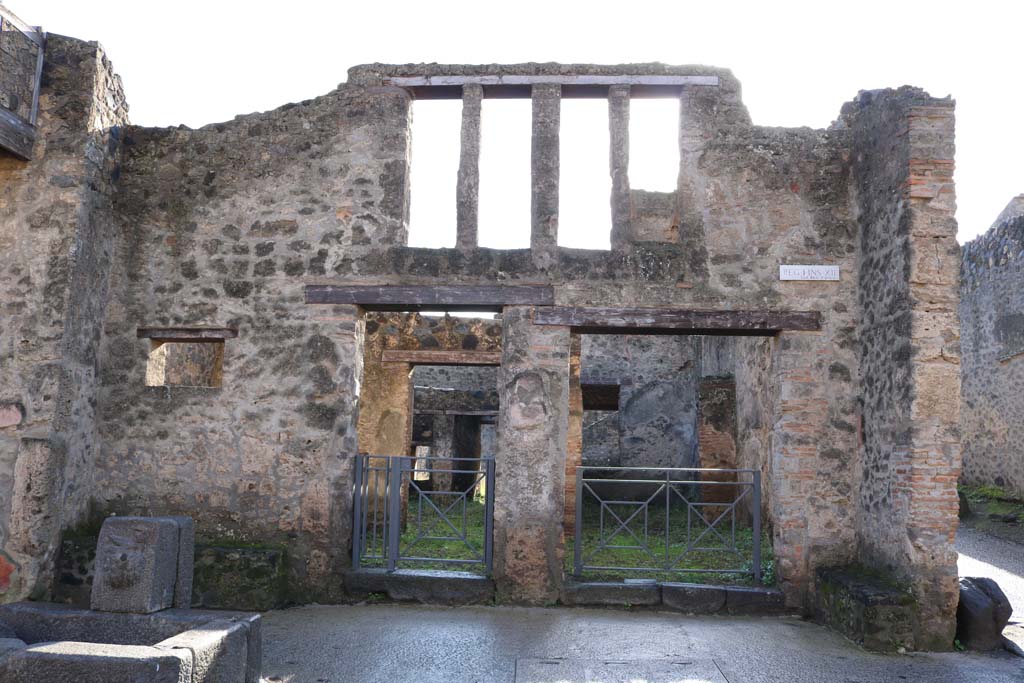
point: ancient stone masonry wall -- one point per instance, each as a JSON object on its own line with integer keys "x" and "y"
{"x": 908, "y": 347}
{"x": 222, "y": 228}
{"x": 992, "y": 338}
{"x": 56, "y": 235}
{"x": 755, "y": 394}
{"x": 657, "y": 379}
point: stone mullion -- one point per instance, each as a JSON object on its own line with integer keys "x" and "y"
{"x": 468, "y": 187}
{"x": 618, "y": 125}
{"x": 547, "y": 101}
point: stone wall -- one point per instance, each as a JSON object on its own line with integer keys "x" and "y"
{"x": 56, "y": 239}
{"x": 755, "y": 408}
{"x": 657, "y": 419}
{"x": 992, "y": 339}
{"x": 224, "y": 226}
{"x": 908, "y": 347}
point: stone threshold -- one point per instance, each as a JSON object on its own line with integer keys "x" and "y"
{"x": 462, "y": 588}
{"x": 690, "y": 598}
{"x": 429, "y": 587}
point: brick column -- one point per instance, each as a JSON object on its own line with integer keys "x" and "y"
{"x": 533, "y": 424}
{"x": 618, "y": 127}
{"x": 468, "y": 189}
{"x": 547, "y": 103}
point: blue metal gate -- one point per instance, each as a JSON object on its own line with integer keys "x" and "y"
{"x": 412, "y": 513}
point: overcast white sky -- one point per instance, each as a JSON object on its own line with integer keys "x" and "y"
{"x": 198, "y": 62}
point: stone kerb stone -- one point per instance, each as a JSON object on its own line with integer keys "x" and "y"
{"x": 136, "y": 565}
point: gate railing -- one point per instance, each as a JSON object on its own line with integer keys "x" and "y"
{"x": 667, "y": 520}
{"x": 422, "y": 511}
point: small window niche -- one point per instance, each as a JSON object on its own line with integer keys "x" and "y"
{"x": 185, "y": 357}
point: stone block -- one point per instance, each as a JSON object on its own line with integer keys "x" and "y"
{"x": 612, "y": 594}
{"x": 427, "y": 587}
{"x": 754, "y": 601}
{"x": 186, "y": 561}
{"x": 865, "y": 608}
{"x": 9, "y": 645}
{"x": 693, "y": 598}
{"x": 136, "y": 565}
{"x": 72, "y": 662}
{"x": 219, "y": 651}
{"x": 11, "y": 414}
{"x": 252, "y": 578}
{"x": 982, "y": 614}
{"x": 7, "y": 631}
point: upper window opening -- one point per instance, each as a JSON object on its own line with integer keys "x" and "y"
{"x": 185, "y": 364}
{"x": 654, "y": 144}
{"x": 185, "y": 357}
{"x": 584, "y": 213}
{"x": 436, "y": 140}
{"x": 505, "y": 172}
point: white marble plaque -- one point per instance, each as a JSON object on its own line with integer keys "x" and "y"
{"x": 808, "y": 272}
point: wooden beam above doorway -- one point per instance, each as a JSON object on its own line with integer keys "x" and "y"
{"x": 441, "y": 357}
{"x": 432, "y": 298}
{"x": 595, "y": 320}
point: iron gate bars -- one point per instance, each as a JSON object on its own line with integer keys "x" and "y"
{"x": 399, "y": 520}
{"x": 633, "y": 502}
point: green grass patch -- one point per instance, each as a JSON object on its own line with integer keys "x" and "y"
{"x": 426, "y": 534}
{"x": 684, "y": 550}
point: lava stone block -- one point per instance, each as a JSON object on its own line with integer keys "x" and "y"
{"x": 136, "y": 565}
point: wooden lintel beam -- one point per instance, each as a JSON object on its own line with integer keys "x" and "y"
{"x": 435, "y": 411}
{"x": 537, "y": 79}
{"x": 593, "y": 320}
{"x": 186, "y": 334}
{"x": 17, "y": 136}
{"x": 432, "y": 298}
{"x": 441, "y": 357}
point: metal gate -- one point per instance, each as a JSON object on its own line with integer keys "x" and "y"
{"x": 636, "y": 519}
{"x": 416, "y": 513}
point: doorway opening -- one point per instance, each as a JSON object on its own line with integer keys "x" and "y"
{"x": 666, "y": 481}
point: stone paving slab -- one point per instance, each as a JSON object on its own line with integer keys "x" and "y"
{"x": 617, "y": 671}
{"x": 389, "y": 643}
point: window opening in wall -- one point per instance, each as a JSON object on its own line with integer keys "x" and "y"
{"x": 436, "y": 139}
{"x": 185, "y": 364}
{"x": 654, "y": 144}
{"x": 505, "y": 139}
{"x": 584, "y": 217}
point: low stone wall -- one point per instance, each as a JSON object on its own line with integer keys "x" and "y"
{"x": 867, "y": 608}
{"x": 226, "y": 577}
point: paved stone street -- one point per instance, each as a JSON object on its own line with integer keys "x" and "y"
{"x": 366, "y": 643}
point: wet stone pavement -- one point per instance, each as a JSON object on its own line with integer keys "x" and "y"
{"x": 394, "y": 642}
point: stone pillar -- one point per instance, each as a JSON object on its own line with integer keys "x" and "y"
{"x": 574, "y": 441}
{"x": 547, "y": 102}
{"x": 442, "y": 452}
{"x": 618, "y": 125}
{"x": 696, "y": 118}
{"x": 35, "y": 522}
{"x": 533, "y": 426}
{"x": 468, "y": 189}
{"x": 328, "y": 502}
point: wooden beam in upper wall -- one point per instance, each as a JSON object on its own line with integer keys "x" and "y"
{"x": 432, "y": 298}
{"x": 595, "y": 320}
{"x": 441, "y": 357}
{"x": 16, "y": 135}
